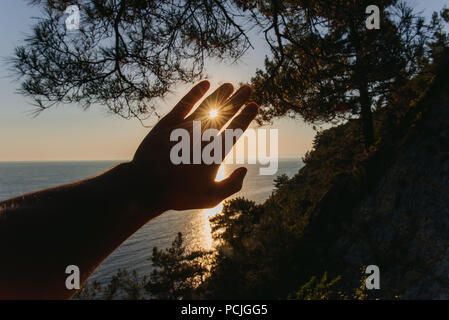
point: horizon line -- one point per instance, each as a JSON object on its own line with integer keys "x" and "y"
{"x": 100, "y": 160}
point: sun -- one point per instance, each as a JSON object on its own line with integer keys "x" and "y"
{"x": 213, "y": 113}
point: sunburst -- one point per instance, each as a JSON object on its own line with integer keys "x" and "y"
{"x": 213, "y": 113}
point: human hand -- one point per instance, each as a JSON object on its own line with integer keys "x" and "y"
{"x": 192, "y": 186}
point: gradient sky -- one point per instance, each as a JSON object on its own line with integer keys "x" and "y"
{"x": 69, "y": 133}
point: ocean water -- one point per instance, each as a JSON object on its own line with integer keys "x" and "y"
{"x": 17, "y": 178}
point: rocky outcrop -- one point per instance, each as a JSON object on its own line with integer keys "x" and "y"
{"x": 402, "y": 225}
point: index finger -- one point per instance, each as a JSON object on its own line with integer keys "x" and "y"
{"x": 214, "y": 101}
{"x": 186, "y": 104}
{"x": 240, "y": 122}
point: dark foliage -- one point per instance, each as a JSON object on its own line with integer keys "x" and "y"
{"x": 178, "y": 274}
{"x": 324, "y": 64}
{"x": 269, "y": 251}
{"x": 126, "y": 53}
{"x": 327, "y": 66}
{"x": 277, "y": 249}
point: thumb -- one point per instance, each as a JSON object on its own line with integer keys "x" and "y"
{"x": 231, "y": 184}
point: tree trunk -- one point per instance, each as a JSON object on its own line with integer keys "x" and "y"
{"x": 366, "y": 116}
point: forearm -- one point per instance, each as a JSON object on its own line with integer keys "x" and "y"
{"x": 77, "y": 224}
{"x": 82, "y": 223}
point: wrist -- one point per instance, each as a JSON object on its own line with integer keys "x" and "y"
{"x": 137, "y": 190}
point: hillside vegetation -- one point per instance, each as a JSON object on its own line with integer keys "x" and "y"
{"x": 280, "y": 249}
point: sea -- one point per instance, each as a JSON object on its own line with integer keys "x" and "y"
{"x": 17, "y": 178}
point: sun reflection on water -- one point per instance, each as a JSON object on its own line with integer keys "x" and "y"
{"x": 213, "y": 211}
{"x": 208, "y": 213}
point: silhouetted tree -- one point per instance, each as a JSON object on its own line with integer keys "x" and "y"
{"x": 327, "y": 65}
{"x": 178, "y": 272}
{"x": 125, "y": 53}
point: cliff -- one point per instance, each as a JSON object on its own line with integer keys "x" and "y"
{"x": 402, "y": 225}
{"x": 347, "y": 209}
{"x": 392, "y": 209}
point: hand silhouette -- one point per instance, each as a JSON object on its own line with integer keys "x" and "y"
{"x": 107, "y": 209}
{"x": 193, "y": 186}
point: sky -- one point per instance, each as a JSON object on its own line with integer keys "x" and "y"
{"x": 67, "y": 132}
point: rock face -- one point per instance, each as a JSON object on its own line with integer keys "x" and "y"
{"x": 402, "y": 226}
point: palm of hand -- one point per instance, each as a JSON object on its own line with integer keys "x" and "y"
{"x": 193, "y": 186}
